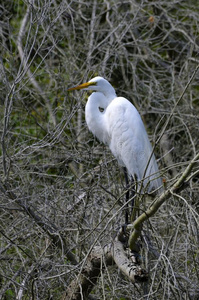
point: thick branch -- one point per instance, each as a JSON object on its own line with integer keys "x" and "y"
{"x": 82, "y": 285}
{"x": 130, "y": 268}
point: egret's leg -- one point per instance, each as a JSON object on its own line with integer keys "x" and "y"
{"x": 134, "y": 198}
{"x": 127, "y": 195}
{"x": 132, "y": 195}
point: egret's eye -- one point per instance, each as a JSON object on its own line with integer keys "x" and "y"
{"x": 101, "y": 109}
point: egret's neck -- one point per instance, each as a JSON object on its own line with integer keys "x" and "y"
{"x": 110, "y": 94}
{"x": 94, "y": 117}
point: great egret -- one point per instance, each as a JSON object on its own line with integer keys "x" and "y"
{"x": 116, "y": 122}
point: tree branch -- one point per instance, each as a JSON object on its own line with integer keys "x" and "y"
{"x": 179, "y": 184}
{"x": 113, "y": 253}
{"x": 128, "y": 266}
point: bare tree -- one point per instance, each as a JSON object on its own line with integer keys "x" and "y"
{"x": 62, "y": 192}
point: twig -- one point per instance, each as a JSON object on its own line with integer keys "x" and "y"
{"x": 24, "y": 282}
{"x": 24, "y": 60}
{"x": 176, "y": 104}
{"x": 50, "y": 229}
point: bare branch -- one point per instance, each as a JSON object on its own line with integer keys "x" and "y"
{"x": 178, "y": 185}
{"x": 100, "y": 257}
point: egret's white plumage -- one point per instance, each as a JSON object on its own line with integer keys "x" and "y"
{"x": 120, "y": 126}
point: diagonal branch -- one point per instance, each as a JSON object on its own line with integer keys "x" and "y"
{"x": 178, "y": 185}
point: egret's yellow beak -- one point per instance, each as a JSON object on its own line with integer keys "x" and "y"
{"x": 82, "y": 86}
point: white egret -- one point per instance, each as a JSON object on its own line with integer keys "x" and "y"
{"x": 116, "y": 122}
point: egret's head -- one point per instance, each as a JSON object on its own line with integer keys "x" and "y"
{"x": 98, "y": 84}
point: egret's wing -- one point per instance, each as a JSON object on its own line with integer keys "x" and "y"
{"x": 129, "y": 141}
